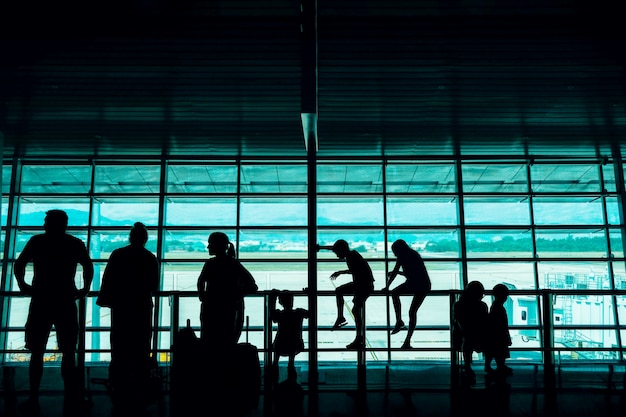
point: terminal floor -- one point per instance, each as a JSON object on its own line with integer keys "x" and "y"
{"x": 409, "y": 391}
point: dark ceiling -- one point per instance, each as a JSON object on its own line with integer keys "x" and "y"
{"x": 224, "y": 77}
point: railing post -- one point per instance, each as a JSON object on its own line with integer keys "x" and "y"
{"x": 174, "y": 315}
{"x": 548, "y": 339}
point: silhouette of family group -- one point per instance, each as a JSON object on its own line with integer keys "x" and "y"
{"x": 131, "y": 279}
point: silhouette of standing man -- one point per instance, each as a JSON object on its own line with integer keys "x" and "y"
{"x": 55, "y": 256}
{"x": 130, "y": 280}
{"x": 417, "y": 283}
{"x": 361, "y": 286}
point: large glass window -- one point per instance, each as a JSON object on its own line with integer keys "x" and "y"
{"x": 534, "y": 225}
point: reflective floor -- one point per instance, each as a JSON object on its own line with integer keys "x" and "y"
{"x": 418, "y": 390}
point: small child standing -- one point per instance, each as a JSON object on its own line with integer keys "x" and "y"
{"x": 470, "y": 317}
{"x": 288, "y": 341}
{"x": 499, "y": 338}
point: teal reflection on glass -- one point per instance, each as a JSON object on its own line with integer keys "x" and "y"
{"x": 4, "y": 211}
{"x": 497, "y": 210}
{"x": 422, "y": 211}
{"x": 356, "y": 211}
{"x": 32, "y": 211}
{"x": 499, "y": 243}
{"x": 571, "y": 243}
{"x": 617, "y": 243}
{"x": 428, "y": 242}
{"x": 568, "y": 210}
{"x": 273, "y": 243}
{"x": 273, "y": 178}
{"x": 420, "y": 178}
{"x": 495, "y": 178}
{"x": 208, "y": 178}
{"x": 205, "y": 212}
{"x": 347, "y": 178}
{"x": 135, "y": 178}
{"x": 613, "y": 215}
{"x": 125, "y": 211}
{"x": 608, "y": 173}
{"x": 565, "y": 177}
{"x": 56, "y": 179}
{"x": 6, "y": 178}
{"x": 273, "y": 211}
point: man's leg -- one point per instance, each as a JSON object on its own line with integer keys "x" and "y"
{"x": 35, "y": 372}
{"x": 339, "y": 294}
{"x": 68, "y": 371}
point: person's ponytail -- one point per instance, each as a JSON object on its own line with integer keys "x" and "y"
{"x": 231, "y": 250}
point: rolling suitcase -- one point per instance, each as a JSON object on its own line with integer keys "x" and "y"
{"x": 247, "y": 369}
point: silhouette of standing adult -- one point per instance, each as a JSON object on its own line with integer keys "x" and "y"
{"x": 55, "y": 256}
{"x": 410, "y": 264}
{"x": 130, "y": 280}
{"x": 361, "y": 286}
{"x": 222, "y": 285}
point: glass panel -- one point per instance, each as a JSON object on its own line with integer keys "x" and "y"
{"x": 571, "y": 243}
{"x": 499, "y": 243}
{"x": 4, "y": 212}
{"x": 617, "y": 243}
{"x": 422, "y": 211}
{"x": 608, "y": 171}
{"x": 420, "y": 178}
{"x": 203, "y": 212}
{"x": 565, "y": 177}
{"x": 567, "y": 210}
{"x": 190, "y": 244}
{"x": 7, "y": 170}
{"x": 517, "y": 275}
{"x": 500, "y": 178}
{"x": 273, "y": 179}
{"x": 120, "y": 211}
{"x": 53, "y": 179}
{"x": 574, "y": 275}
{"x": 583, "y": 310}
{"x": 32, "y": 211}
{"x": 613, "y": 211}
{"x": 268, "y": 244}
{"x": 353, "y": 211}
{"x": 292, "y": 276}
{"x": 103, "y": 242}
{"x": 430, "y": 243}
{"x": 131, "y": 178}
{"x": 496, "y": 211}
{"x": 201, "y": 179}
{"x": 338, "y": 178}
{"x": 181, "y": 276}
{"x": 369, "y": 243}
{"x": 444, "y": 275}
{"x": 266, "y": 211}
